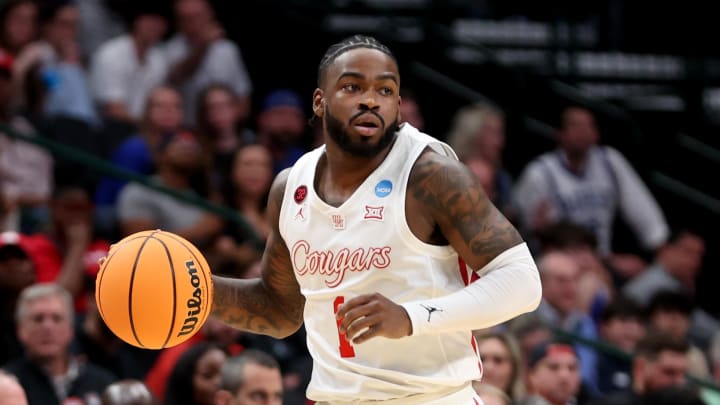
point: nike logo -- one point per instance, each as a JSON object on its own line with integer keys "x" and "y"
{"x": 430, "y": 310}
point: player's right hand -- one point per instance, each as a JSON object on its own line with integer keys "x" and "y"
{"x": 370, "y": 315}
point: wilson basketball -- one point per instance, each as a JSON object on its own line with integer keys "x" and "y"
{"x": 154, "y": 289}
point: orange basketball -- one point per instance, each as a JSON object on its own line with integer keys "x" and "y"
{"x": 154, "y": 289}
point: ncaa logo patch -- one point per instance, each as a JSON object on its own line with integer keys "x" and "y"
{"x": 383, "y": 188}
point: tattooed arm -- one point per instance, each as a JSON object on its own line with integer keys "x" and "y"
{"x": 450, "y": 206}
{"x": 271, "y": 305}
{"x": 453, "y": 202}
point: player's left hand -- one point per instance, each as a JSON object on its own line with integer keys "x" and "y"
{"x": 370, "y": 315}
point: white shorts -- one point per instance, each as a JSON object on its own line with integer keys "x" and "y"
{"x": 463, "y": 396}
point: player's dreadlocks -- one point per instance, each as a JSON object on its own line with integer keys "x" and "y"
{"x": 347, "y": 44}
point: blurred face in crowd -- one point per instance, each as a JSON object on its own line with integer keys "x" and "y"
{"x": 221, "y": 109}
{"x": 683, "y": 258}
{"x": 485, "y": 173}
{"x": 556, "y": 377}
{"x": 149, "y": 28}
{"x": 497, "y": 363}
{"x": 71, "y": 206}
{"x": 667, "y": 370}
{"x": 579, "y": 131}
{"x": 164, "y": 110}
{"x": 674, "y": 323}
{"x": 193, "y": 16}
{"x": 559, "y": 275}
{"x": 63, "y": 29}
{"x": 623, "y": 332}
{"x": 20, "y": 25}
{"x": 410, "y": 112}
{"x": 183, "y": 153}
{"x": 45, "y": 328}
{"x": 490, "y": 140}
{"x": 262, "y": 386}
{"x": 284, "y": 124}
{"x": 253, "y": 170}
{"x": 17, "y": 271}
{"x": 206, "y": 380}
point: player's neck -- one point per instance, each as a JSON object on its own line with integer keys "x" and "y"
{"x": 347, "y": 171}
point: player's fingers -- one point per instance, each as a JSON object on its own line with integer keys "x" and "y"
{"x": 368, "y": 334}
{"x": 355, "y": 328}
{"x": 352, "y": 303}
{"x": 352, "y": 316}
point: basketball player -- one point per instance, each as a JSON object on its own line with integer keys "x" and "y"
{"x": 376, "y": 239}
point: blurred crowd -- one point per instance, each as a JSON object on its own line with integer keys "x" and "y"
{"x": 166, "y": 94}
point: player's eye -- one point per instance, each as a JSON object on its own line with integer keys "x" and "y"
{"x": 387, "y": 91}
{"x": 351, "y": 87}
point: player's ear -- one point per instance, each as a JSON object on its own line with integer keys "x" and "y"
{"x": 318, "y": 103}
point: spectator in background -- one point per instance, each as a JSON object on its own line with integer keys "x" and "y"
{"x": 490, "y": 394}
{"x": 11, "y": 392}
{"x": 48, "y": 372}
{"x": 252, "y": 377}
{"x": 163, "y": 116}
{"x": 127, "y": 392}
{"x": 18, "y": 25}
{"x": 281, "y": 127}
{"x": 61, "y": 65}
{"x": 588, "y": 184}
{"x": 200, "y": 55}
{"x": 96, "y": 343}
{"x": 212, "y": 331}
{"x": 125, "y": 69}
{"x": 410, "y": 110}
{"x": 27, "y": 169}
{"x": 553, "y": 375}
{"x": 503, "y": 364}
{"x": 180, "y": 168}
{"x": 17, "y": 271}
{"x": 478, "y": 131}
{"x": 67, "y": 252}
{"x": 669, "y": 312}
{"x": 221, "y": 129}
{"x": 660, "y": 361}
{"x": 195, "y": 379}
{"x": 622, "y": 325}
{"x": 246, "y": 191}
{"x": 101, "y": 20}
{"x": 675, "y": 268}
{"x": 559, "y": 308}
{"x": 595, "y": 284}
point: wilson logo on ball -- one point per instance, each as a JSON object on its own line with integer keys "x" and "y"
{"x": 194, "y": 303}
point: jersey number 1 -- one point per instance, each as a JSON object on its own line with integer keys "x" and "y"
{"x": 346, "y": 349}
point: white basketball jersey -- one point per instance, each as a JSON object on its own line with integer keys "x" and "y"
{"x": 365, "y": 246}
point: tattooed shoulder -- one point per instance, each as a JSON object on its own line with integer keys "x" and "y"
{"x": 455, "y": 199}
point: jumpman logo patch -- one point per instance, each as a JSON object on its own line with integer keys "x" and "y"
{"x": 431, "y": 310}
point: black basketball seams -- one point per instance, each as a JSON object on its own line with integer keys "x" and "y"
{"x": 130, "y": 290}
{"x": 174, "y": 287}
{"x": 199, "y": 263}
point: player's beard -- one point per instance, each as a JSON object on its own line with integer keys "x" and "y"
{"x": 362, "y": 148}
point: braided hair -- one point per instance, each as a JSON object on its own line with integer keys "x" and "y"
{"x": 348, "y": 44}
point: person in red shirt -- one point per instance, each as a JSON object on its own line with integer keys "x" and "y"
{"x": 68, "y": 252}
